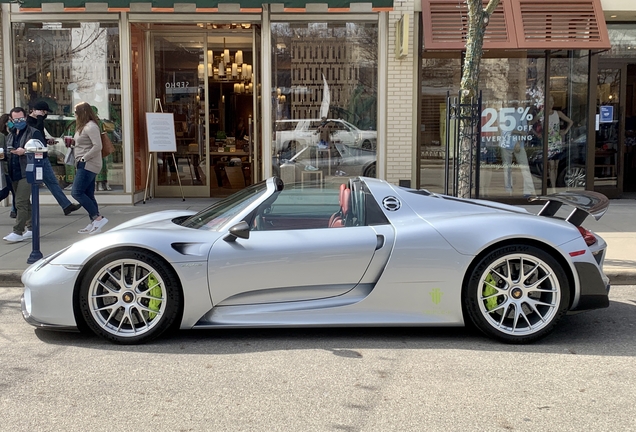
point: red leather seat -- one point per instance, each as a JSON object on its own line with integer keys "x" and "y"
{"x": 337, "y": 220}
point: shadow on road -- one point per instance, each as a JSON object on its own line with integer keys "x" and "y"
{"x": 605, "y": 332}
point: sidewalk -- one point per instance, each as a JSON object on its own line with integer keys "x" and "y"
{"x": 617, "y": 227}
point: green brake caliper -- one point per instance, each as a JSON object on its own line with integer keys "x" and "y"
{"x": 488, "y": 290}
{"x": 155, "y": 291}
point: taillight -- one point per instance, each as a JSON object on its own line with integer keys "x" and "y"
{"x": 587, "y": 236}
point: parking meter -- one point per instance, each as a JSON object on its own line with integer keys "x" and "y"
{"x": 36, "y": 151}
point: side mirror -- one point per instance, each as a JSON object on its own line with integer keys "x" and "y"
{"x": 240, "y": 230}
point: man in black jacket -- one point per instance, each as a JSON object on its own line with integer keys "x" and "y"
{"x": 20, "y": 134}
{"x": 36, "y": 120}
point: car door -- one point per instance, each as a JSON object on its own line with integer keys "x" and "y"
{"x": 290, "y": 264}
{"x": 291, "y": 253}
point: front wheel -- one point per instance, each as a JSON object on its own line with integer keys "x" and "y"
{"x": 130, "y": 297}
{"x": 516, "y": 294}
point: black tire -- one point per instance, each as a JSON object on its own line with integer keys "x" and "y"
{"x": 367, "y": 145}
{"x": 130, "y": 297}
{"x": 516, "y": 306}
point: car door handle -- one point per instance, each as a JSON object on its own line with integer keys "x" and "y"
{"x": 380, "y": 241}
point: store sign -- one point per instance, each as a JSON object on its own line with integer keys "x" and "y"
{"x": 506, "y": 126}
{"x": 607, "y": 114}
{"x": 180, "y": 87}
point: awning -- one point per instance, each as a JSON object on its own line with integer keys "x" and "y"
{"x": 519, "y": 24}
{"x": 206, "y": 4}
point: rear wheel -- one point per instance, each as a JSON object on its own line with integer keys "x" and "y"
{"x": 130, "y": 297}
{"x": 516, "y": 294}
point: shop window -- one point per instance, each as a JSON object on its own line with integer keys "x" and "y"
{"x": 440, "y": 77}
{"x": 64, "y": 64}
{"x": 324, "y": 100}
{"x": 511, "y": 155}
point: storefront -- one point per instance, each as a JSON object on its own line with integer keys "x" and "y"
{"x": 247, "y": 87}
{"x": 556, "y": 100}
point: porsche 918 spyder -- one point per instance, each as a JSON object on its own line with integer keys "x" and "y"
{"x": 361, "y": 253}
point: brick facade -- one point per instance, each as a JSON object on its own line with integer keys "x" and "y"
{"x": 401, "y": 101}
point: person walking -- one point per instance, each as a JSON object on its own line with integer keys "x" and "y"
{"x": 88, "y": 162}
{"x": 8, "y": 189}
{"x": 20, "y": 134}
{"x": 36, "y": 120}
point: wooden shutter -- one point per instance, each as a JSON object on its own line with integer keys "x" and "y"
{"x": 518, "y": 24}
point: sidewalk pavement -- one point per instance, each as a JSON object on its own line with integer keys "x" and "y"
{"x": 617, "y": 227}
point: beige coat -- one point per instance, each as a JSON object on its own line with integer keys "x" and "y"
{"x": 88, "y": 145}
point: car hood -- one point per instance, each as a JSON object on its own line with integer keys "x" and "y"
{"x": 158, "y": 218}
{"x": 154, "y": 232}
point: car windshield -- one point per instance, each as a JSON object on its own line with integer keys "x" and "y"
{"x": 213, "y": 217}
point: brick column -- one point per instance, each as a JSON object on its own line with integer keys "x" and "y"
{"x": 401, "y": 100}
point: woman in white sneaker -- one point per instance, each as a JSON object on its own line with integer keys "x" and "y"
{"x": 88, "y": 162}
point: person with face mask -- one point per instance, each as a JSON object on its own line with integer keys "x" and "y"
{"x": 20, "y": 134}
{"x": 36, "y": 119}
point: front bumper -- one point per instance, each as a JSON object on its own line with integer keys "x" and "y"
{"x": 47, "y": 301}
{"x": 35, "y": 323}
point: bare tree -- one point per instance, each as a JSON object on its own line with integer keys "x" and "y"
{"x": 478, "y": 18}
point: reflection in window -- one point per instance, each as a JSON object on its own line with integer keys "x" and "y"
{"x": 567, "y": 120}
{"x": 510, "y": 152}
{"x": 64, "y": 64}
{"x": 440, "y": 76}
{"x": 324, "y": 100}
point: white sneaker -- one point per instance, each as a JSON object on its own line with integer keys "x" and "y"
{"x": 86, "y": 230}
{"x": 27, "y": 234}
{"x": 13, "y": 238}
{"x": 97, "y": 225}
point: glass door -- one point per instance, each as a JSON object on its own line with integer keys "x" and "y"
{"x": 179, "y": 80}
{"x": 608, "y": 128}
{"x": 230, "y": 84}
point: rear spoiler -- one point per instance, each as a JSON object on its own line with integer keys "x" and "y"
{"x": 584, "y": 202}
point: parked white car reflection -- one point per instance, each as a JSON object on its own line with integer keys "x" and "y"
{"x": 295, "y": 134}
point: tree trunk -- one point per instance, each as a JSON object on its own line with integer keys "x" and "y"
{"x": 478, "y": 18}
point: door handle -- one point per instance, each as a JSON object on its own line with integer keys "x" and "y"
{"x": 380, "y": 242}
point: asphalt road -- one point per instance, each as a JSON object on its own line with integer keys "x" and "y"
{"x": 580, "y": 378}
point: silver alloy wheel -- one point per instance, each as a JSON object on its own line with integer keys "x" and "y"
{"x": 520, "y": 294}
{"x": 127, "y": 298}
{"x": 574, "y": 176}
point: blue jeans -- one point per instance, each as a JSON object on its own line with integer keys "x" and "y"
{"x": 84, "y": 190}
{"x": 53, "y": 185}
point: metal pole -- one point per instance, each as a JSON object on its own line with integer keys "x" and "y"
{"x": 36, "y": 255}
{"x": 447, "y": 144}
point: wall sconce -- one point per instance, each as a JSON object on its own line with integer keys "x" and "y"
{"x": 238, "y": 57}
{"x": 226, "y": 56}
{"x": 221, "y": 69}
{"x": 234, "y": 70}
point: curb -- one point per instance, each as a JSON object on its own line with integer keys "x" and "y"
{"x": 12, "y": 278}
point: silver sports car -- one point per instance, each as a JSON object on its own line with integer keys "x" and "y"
{"x": 361, "y": 253}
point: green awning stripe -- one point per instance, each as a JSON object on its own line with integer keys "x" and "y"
{"x": 204, "y": 3}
